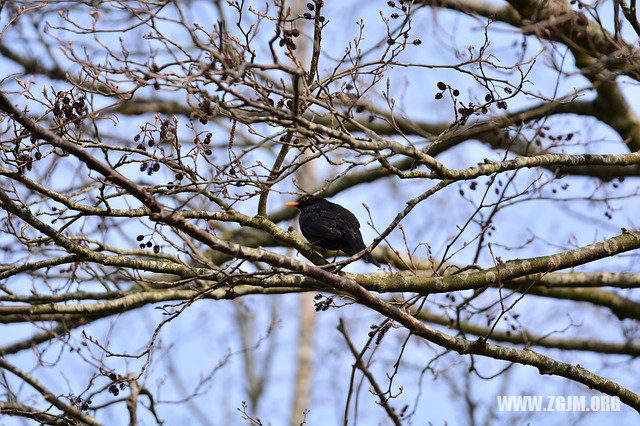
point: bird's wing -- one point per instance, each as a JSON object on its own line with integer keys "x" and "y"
{"x": 345, "y": 217}
{"x": 349, "y": 228}
{"x": 320, "y": 224}
{"x": 342, "y": 220}
{"x": 352, "y": 238}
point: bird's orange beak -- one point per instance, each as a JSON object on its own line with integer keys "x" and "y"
{"x": 292, "y": 203}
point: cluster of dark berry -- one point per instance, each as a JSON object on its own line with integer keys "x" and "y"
{"x": 322, "y": 305}
{"x": 311, "y": 7}
{"x": 396, "y": 15}
{"x": 81, "y": 403}
{"x": 207, "y": 140}
{"x": 542, "y": 132}
{"x": 442, "y": 87}
{"x": 405, "y": 35}
{"x": 168, "y": 130}
{"x": 207, "y": 111}
{"x": 173, "y": 184}
{"x": 25, "y": 161}
{"x": 67, "y": 109}
{"x": 117, "y": 385}
{"x": 148, "y": 244}
{"x": 402, "y": 7}
{"x": 465, "y": 113}
{"x": 150, "y": 167}
{"x": 381, "y": 331}
{"x": 151, "y": 142}
{"x": 287, "y": 38}
{"x": 148, "y": 76}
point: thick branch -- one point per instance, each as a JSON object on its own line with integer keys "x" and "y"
{"x": 529, "y": 339}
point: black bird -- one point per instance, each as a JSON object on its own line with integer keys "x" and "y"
{"x": 330, "y": 226}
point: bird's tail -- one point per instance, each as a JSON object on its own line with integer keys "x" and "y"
{"x": 368, "y": 258}
{"x": 355, "y": 245}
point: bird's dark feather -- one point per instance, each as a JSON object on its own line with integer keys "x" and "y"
{"x": 321, "y": 227}
{"x": 332, "y": 227}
